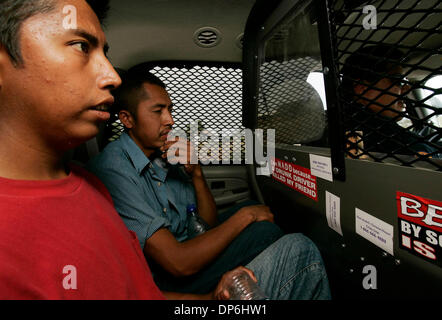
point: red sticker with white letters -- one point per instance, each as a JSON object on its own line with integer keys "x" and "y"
{"x": 420, "y": 226}
{"x": 296, "y": 177}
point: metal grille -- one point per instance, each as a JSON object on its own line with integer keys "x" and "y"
{"x": 211, "y": 97}
{"x": 290, "y": 104}
{"x": 114, "y": 128}
{"x": 387, "y": 53}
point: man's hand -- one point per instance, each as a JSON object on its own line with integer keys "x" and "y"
{"x": 221, "y": 291}
{"x": 181, "y": 151}
{"x": 258, "y": 213}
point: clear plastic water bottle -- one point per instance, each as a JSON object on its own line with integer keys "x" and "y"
{"x": 195, "y": 224}
{"x": 242, "y": 287}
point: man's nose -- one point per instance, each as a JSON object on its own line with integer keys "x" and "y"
{"x": 168, "y": 119}
{"x": 108, "y": 77}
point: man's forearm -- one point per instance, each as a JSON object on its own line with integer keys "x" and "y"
{"x": 187, "y": 258}
{"x": 200, "y": 251}
{"x": 204, "y": 198}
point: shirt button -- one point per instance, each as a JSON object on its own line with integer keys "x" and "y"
{"x": 159, "y": 184}
{"x": 164, "y": 210}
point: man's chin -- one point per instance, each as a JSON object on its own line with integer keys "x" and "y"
{"x": 72, "y": 141}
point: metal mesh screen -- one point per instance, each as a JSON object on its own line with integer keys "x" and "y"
{"x": 210, "y": 95}
{"x": 389, "y": 56}
{"x": 207, "y": 97}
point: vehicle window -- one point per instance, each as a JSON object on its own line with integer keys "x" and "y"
{"x": 316, "y": 79}
{"x": 206, "y": 98}
{"x": 210, "y": 95}
{"x": 291, "y": 85}
{"x": 433, "y": 98}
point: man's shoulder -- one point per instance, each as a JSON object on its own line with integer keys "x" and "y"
{"x": 112, "y": 157}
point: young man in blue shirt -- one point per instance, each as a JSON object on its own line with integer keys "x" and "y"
{"x": 151, "y": 196}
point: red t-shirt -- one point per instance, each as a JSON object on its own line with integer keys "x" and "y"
{"x": 63, "y": 239}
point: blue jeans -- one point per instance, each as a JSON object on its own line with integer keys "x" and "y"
{"x": 291, "y": 269}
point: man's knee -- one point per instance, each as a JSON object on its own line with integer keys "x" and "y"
{"x": 296, "y": 245}
{"x": 254, "y": 239}
{"x": 264, "y": 232}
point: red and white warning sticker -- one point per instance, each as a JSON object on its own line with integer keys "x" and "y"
{"x": 296, "y": 177}
{"x": 420, "y": 226}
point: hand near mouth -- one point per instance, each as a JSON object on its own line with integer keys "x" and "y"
{"x": 180, "y": 151}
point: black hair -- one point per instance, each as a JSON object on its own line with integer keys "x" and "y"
{"x": 131, "y": 91}
{"x": 369, "y": 64}
{"x": 100, "y": 8}
{"x": 14, "y": 12}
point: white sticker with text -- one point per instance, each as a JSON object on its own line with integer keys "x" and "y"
{"x": 333, "y": 211}
{"x": 321, "y": 167}
{"x": 374, "y": 230}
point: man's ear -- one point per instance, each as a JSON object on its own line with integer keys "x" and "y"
{"x": 126, "y": 118}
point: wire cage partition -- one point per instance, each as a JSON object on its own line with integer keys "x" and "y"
{"x": 388, "y": 55}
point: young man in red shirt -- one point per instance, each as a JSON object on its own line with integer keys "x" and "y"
{"x": 60, "y": 236}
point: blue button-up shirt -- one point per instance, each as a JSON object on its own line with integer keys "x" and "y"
{"x": 148, "y": 195}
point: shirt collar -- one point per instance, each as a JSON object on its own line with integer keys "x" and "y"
{"x": 140, "y": 161}
{"x": 136, "y": 155}
{"x": 160, "y": 169}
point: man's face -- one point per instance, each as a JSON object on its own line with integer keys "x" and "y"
{"x": 65, "y": 77}
{"x": 382, "y": 96}
{"x": 153, "y": 119}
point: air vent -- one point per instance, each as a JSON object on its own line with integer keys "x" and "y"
{"x": 207, "y": 37}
